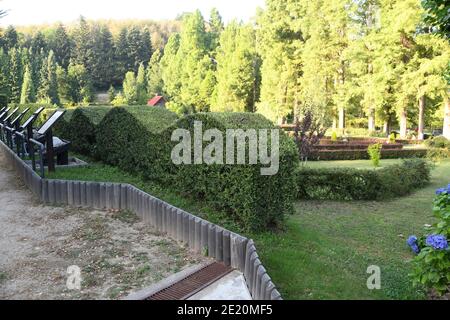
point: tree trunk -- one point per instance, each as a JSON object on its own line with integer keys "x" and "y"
{"x": 341, "y": 119}
{"x": 386, "y": 127}
{"x": 420, "y": 134}
{"x": 371, "y": 120}
{"x": 403, "y": 124}
{"x": 334, "y": 123}
{"x": 446, "y": 129}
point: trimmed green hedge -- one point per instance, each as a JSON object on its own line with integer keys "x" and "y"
{"x": 363, "y": 155}
{"x": 130, "y": 139}
{"x": 256, "y": 202}
{"x": 80, "y": 126}
{"x": 357, "y": 184}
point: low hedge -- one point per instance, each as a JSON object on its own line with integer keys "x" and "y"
{"x": 256, "y": 202}
{"x": 357, "y": 184}
{"x": 363, "y": 155}
{"x": 352, "y": 146}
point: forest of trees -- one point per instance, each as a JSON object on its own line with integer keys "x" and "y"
{"x": 363, "y": 63}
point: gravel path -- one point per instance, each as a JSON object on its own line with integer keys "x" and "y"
{"x": 116, "y": 253}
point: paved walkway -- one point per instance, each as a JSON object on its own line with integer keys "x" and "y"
{"x": 230, "y": 287}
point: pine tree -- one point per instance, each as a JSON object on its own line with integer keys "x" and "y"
{"x": 130, "y": 88}
{"x": 134, "y": 48}
{"x": 79, "y": 84}
{"x": 195, "y": 67}
{"x": 122, "y": 64}
{"x": 4, "y": 73}
{"x": 280, "y": 41}
{"x": 15, "y": 74}
{"x": 48, "y": 91}
{"x": 170, "y": 68}
{"x": 236, "y": 69}
{"x": 28, "y": 94}
{"x": 101, "y": 60}
{"x": 111, "y": 94}
{"x": 154, "y": 75}
{"x": 141, "y": 85}
{"x": 216, "y": 27}
{"x": 10, "y": 38}
{"x": 61, "y": 46}
{"x": 82, "y": 47}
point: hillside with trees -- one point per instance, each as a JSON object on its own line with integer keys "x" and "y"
{"x": 374, "y": 64}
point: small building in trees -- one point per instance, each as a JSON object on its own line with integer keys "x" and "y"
{"x": 157, "y": 101}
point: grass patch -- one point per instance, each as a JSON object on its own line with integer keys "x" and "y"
{"x": 327, "y": 246}
{"x": 3, "y": 277}
{"x": 356, "y": 164}
{"x": 125, "y": 216}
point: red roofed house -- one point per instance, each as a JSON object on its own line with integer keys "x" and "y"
{"x": 157, "y": 101}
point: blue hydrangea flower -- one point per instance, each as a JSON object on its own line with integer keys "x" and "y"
{"x": 440, "y": 191}
{"x": 412, "y": 242}
{"x": 437, "y": 241}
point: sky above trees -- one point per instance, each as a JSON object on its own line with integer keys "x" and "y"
{"x": 24, "y": 12}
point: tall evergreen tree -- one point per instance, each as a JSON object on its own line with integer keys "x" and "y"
{"x": 280, "y": 41}
{"x": 141, "y": 85}
{"x": 216, "y": 27}
{"x": 130, "y": 88}
{"x": 236, "y": 69}
{"x": 79, "y": 84}
{"x": 122, "y": 63}
{"x": 48, "y": 90}
{"x": 82, "y": 49}
{"x": 10, "y": 38}
{"x": 61, "y": 46}
{"x": 197, "y": 81}
{"x": 15, "y": 74}
{"x": 28, "y": 93}
{"x": 101, "y": 60}
{"x": 155, "y": 83}
{"x": 4, "y": 73}
{"x": 170, "y": 68}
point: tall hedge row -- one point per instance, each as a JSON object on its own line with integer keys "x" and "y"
{"x": 130, "y": 139}
{"x": 254, "y": 200}
{"x": 359, "y": 184}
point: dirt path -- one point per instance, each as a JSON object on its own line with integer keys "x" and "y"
{"x": 116, "y": 253}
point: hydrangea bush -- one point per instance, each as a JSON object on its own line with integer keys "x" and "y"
{"x": 432, "y": 263}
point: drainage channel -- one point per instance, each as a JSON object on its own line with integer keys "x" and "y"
{"x": 192, "y": 283}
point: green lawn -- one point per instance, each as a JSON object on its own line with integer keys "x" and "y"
{"x": 327, "y": 247}
{"x": 357, "y": 164}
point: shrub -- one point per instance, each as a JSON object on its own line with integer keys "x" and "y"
{"x": 130, "y": 139}
{"x": 356, "y": 184}
{"x": 3, "y": 100}
{"x": 363, "y": 155}
{"x": 256, "y": 202}
{"x": 81, "y": 128}
{"x": 438, "y": 142}
{"x": 334, "y": 136}
{"x": 432, "y": 264}
{"x": 374, "y": 152}
{"x": 392, "y": 137}
{"x": 438, "y": 154}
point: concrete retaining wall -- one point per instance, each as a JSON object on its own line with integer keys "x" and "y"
{"x": 200, "y": 235}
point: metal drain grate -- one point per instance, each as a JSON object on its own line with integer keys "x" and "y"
{"x": 192, "y": 283}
